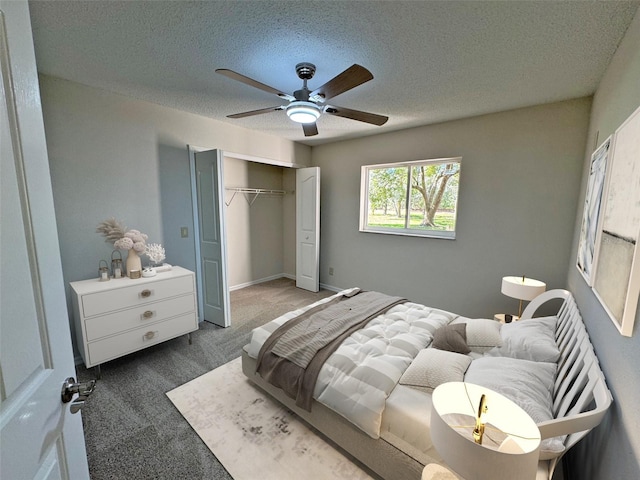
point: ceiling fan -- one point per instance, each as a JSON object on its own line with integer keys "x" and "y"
{"x": 305, "y": 106}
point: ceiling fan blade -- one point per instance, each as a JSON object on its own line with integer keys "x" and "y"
{"x": 309, "y": 129}
{"x": 253, "y": 83}
{"x": 256, "y": 112}
{"x": 352, "y": 77}
{"x": 356, "y": 115}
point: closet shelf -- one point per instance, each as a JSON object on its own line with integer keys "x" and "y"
{"x": 252, "y": 193}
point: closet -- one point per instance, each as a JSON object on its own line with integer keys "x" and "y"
{"x": 253, "y": 220}
{"x": 260, "y": 221}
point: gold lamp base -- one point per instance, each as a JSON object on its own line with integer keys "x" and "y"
{"x": 478, "y": 431}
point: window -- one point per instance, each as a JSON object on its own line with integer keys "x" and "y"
{"x": 411, "y": 198}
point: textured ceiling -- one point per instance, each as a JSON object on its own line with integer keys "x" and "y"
{"x": 431, "y": 61}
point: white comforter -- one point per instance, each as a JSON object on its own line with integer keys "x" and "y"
{"x": 357, "y": 379}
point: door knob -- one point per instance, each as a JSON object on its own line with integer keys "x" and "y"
{"x": 70, "y": 387}
{"x": 77, "y": 405}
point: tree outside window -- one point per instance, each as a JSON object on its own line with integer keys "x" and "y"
{"x": 411, "y": 198}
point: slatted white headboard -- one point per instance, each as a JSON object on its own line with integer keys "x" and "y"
{"x": 581, "y": 396}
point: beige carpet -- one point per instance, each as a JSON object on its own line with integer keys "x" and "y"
{"x": 257, "y": 304}
{"x": 253, "y": 436}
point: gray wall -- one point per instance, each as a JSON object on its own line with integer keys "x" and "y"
{"x": 613, "y": 449}
{"x": 519, "y": 186}
{"x": 176, "y": 207}
{"x": 116, "y": 156}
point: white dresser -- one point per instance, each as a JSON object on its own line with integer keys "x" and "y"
{"x": 122, "y": 315}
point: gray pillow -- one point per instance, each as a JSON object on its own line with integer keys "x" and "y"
{"x": 532, "y": 339}
{"x": 432, "y": 367}
{"x": 452, "y": 338}
{"x": 526, "y": 383}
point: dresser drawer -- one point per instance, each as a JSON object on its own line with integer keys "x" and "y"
{"x": 130, "y": 296}
{"x": 112, "y": 323}
{"x": 133, "y": 340}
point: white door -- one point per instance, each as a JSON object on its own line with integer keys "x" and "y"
{"x": 308, "y": 228}
{"x": 211, "y": 246}
{"x": 40, "y": 438}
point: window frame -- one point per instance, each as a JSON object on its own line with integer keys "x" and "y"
{"x": 410, "y": 232}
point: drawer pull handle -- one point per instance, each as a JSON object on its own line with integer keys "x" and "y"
{"x": 145, "y": 293}
{"x": 149, "y": 335}
{"x": 147, "y": 315}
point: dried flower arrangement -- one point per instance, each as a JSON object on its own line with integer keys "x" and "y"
{"x": 134, "y": 241}
{"x": 122, "y": 239}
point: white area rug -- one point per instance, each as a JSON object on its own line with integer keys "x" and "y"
{"x": 252, "y": 435}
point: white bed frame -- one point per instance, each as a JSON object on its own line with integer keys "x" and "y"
{"x": 581, "y": 399}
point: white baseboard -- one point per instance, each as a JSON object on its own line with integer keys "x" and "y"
{"x": 275, "y": 277}
{"x": 331, "y": 287}
{"x": 261, "y": 280}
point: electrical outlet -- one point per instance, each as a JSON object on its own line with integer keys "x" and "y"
{"x": 330, "y": 270}
{"x": 184, "y": 232}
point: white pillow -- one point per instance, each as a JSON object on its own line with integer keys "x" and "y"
{"x": 532, "y": 339}
{"x": 431, "y": 367}
{"x": 482, "y": 334}
{"x": 528, "y": 384}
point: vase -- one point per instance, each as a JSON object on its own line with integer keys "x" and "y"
{"x": 133, "y": 262}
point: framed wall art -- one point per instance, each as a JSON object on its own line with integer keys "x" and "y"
{"x": 590, "y": 227}
{"x": 617, "y": 268}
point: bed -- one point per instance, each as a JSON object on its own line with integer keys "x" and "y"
{"x": 372, "y": 397}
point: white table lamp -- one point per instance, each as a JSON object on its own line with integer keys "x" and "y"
{"x": 522, "y": 288}
{"x": 509, "y": 440}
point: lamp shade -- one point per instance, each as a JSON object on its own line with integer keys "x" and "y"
{"x": 511, "y": 440}
{"x": 522, "y": 288}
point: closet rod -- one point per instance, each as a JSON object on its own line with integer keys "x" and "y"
{"x": 252, "y": 191}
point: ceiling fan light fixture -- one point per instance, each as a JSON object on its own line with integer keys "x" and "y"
{"x": 306, "y": 106}
{"x": 303, "y": 112}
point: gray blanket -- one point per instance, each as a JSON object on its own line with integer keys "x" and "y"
{"x": 293, "y": 355}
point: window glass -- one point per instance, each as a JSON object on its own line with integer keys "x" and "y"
{"x": 411, "y": 198}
